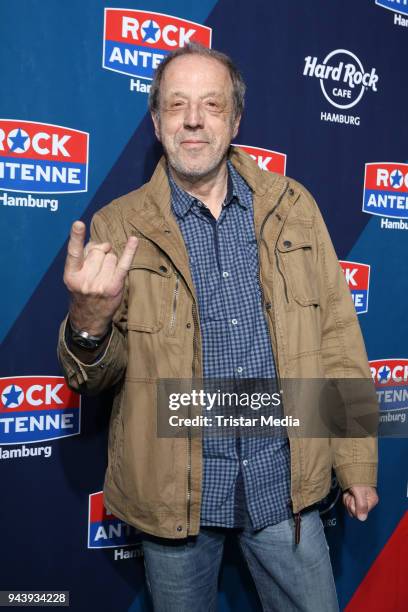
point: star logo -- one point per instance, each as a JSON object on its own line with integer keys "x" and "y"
{"x": 384, "y": 375}
{"x": 12, "y": 396}
{"x": 18, "y": 141}
{"x": 150, "y": 31}
{"x": 396, "y": 178}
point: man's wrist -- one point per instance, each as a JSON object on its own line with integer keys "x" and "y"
{"x": 85, "y": 339}
{"x": 94, "y": 327}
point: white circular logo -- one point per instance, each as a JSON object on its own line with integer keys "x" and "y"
{"x": 384, "y": 375}
{"x": 18, "y": 141}
{"x": 344, "y": 81}
{"x": 396, "y": 177}
{"x": 150, "y": 31}
{"x": 12, "y": 396}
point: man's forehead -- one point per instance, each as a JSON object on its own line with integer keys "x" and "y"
{"x": 196, "y": 75}
{"x": 198, "y": 66}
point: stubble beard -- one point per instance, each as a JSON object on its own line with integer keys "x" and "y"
{"x": 195, "y": 170}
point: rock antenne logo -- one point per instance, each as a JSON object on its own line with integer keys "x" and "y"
{"x": 391, "y": 381}
{"x": 135, "y": 42}
{"x": 358, "y": 279}
{"x": 398, "y": 6}
{"x": 104, "y": 529}
{"x": 399, "y": 9}
{"x": 266, "y": 158}
{"x": 42, "y": 157}
{"x": 37, "y": 408}
{"x": 386, "y": 189}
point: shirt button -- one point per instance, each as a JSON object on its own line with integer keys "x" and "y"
{"x": 188, "y": 325}
{"x": 268, "y": 305}
{"x": 234, "y": 321}
{"x": 291, "y": 192}
{"x": 225, "y": 274}
{"x": 163, "y": 269}
{"x": 240, "y": 369}
{"x": 245, "y": 462}
{"x": 287, "y": 244}
{"x": 179, "y": 528}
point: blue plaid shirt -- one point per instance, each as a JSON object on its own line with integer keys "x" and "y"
{"x": 249, "y": 473}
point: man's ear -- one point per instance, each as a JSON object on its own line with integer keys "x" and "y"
{"x": 156, "y": 123}
{"x": 235, "y": 127}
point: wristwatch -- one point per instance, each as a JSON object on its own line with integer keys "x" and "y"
{"x": 84, "y": 339}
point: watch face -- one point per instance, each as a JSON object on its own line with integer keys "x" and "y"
{"x": 84, "y": 342}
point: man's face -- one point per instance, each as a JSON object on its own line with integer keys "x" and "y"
{"x": 196, "y": 120}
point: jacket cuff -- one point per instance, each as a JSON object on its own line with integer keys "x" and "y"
{"x": 76, "y": 371}
{"x": 86, "y": 357}
{"x": 356, "y": 474}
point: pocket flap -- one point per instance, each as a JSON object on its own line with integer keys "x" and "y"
{"x": 294, "y": 237}
{"x": 148, "y": 257}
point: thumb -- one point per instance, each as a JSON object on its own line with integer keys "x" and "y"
{"x": 361, "y": 504}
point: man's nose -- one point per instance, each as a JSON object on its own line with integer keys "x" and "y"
{"x": 194, "y": 116}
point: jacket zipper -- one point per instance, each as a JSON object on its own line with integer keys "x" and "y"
{"x": 175, "y": 299}
{"x": 194, "y": 313}
{"x": 283, "y": 278}
{"x": 297, "y": 516}
{"x": 188, "y": 476}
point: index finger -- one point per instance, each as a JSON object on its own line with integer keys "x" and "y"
{"x": 75, "y": 254}
{"x": 126, "y": 259}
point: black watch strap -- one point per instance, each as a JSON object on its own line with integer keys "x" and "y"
{"x": 85, "y": 340}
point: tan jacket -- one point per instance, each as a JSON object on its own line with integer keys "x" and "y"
{"x": 154, "y": 483}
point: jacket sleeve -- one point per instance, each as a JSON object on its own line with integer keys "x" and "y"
{"x": 344, "y": 357}
{"x": 109, "y": 367}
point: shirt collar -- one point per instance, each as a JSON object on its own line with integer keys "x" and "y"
{"x": 237, "y": 189}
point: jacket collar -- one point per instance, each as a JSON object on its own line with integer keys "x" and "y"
{"x": 155, "y": 219}
{"x": 157, "y": 207}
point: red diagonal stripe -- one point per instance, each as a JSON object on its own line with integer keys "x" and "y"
{"x": 385, "y": 587}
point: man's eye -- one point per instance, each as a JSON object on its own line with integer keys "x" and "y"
{"x": 213, "y": 106}
{"x": 177, "y": 104}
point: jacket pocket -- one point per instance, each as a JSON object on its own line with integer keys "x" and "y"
{"x": 148, "y": 281}
{"x": 296, "y": 260}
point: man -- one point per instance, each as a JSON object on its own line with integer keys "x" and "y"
{"x": 215, "y": 269}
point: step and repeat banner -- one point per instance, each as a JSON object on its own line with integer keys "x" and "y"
{"x": 327, "y": 105}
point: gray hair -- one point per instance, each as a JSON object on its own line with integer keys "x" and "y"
{"x": 238, "y": 85}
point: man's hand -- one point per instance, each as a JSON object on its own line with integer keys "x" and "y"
{"x": 95, "y": 279}
{"x": 359, "y": 500}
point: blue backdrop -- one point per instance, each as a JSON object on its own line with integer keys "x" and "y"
{"x": 326, "y": 104}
